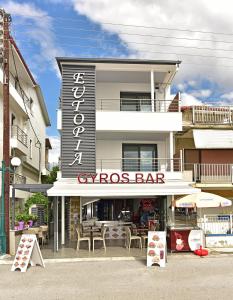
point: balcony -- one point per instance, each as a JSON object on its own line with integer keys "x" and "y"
{"x": 19, "y": 139}
{"x": 137, "y": 115}
{"x": 213, "y": 173}
{"x": 208, "y": 115}
{"x": 145, "y": 165}
{"x": 19, "y": 134}
{"x": 17, "y": 179}
{"x": 137, "y": 105}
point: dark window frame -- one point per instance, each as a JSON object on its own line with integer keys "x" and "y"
{"x": 131, "y": 96}
{"x": 155, "y": 152}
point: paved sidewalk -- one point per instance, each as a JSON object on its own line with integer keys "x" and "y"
{"x": 185, "y": 277}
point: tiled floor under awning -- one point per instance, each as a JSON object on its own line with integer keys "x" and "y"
{"x": 69, "y": 251}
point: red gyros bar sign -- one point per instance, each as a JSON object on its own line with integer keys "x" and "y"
{"x": 125, "y": 178}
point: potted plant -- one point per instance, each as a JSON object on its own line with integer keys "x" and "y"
{"x": 20, "y": 218}
{"x": 34, "y": 218}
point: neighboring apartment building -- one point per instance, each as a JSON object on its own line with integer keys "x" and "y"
{"x": 117, "y": 119}
{"x": 28, "y": 121}
{"x": 207, "y": 146}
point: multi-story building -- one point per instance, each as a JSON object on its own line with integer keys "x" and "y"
{"x": 207, "y": 146}
{"x": 117, "y": 120}
{"x": 28, "y": 122}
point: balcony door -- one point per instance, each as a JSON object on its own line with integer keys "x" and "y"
{"x": 139, "y": 157}
{"x": 131, "y": 101}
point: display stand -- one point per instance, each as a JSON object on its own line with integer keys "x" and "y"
{"x": 156, "y": 250}
{"x": 28, "y": 253}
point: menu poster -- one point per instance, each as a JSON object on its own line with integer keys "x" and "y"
{"x": 28, "y": 252}
{"x": 156, "y": 250}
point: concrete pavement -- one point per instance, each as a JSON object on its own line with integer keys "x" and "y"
{"x": 185, "y": 277}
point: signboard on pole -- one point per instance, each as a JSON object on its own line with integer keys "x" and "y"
{"x": 156, "y": 250}
{"x": 28, "y": 252}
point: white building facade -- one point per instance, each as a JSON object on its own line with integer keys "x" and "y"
{"x": 28, "y": 121}
{"x": 117, "y": 120}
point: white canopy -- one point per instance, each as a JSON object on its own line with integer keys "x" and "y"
{"x": 203, "y": 199}
{"x": 213, "y": 139}
{"x": 68, "y": 187}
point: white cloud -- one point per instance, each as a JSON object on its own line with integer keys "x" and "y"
{"x": 205, "y": 93}
{"x": 40, "y": 32}
{"x": 189, "y": 100}
{"x": 204, "y": 15}
{"x": 228, "y": 96}
{"x": 54, "y": 154}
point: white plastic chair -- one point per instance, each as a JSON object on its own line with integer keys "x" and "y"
{"x": 100, "y": 238}
{"x": 81, "y": 239}
{"x": 131, "y": 238}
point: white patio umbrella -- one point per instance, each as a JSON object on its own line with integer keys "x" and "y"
{"x": 203, "y": 199}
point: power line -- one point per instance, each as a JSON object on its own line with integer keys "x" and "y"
{"x": 151, "y": 27}
{"x": 143, "y": 43}
{"x": 144, "y": 35}
{"x": 147, "y": 51}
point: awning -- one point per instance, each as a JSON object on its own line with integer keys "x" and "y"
{"x": 213, "y": 139}
{"x": 67, "y": 188}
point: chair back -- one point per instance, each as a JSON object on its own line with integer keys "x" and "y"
{"x": 78, "y": 233}
{"x": 103, "y": 231}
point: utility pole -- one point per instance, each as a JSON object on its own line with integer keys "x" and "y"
{"x": 6, "y": 19}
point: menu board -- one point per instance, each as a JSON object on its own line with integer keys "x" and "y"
{"x": 156, "y": 250}
{"x": 28, "y": 252}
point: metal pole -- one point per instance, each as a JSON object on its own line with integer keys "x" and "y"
{"x": 13, "y": 208}
{"x": 6, "y": 123}
{"x": 63, "y": 220}
{"x": 2, "y": 215}
{"x": 55, "y": 223}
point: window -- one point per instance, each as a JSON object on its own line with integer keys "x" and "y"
{"x": 30, "y": 148}
{"x": 131, "y": 101}
{"x": 139, "y": 157}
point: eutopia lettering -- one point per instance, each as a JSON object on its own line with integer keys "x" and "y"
{"x": 78, "y": 119}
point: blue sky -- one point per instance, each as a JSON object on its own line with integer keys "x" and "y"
{"x": 165, "y": 29}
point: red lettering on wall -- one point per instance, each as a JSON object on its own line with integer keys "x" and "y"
{"x": 93, "y": 177}
{"x": 150, "y": 179}
{"x": 125, "y": 178}
{"x": 139, "y": 178}
{"x": 103, "y": 178}
{"x": 82, "y": 178}
{"x": 116, "y": 175}
{"x": 160, "y": 178}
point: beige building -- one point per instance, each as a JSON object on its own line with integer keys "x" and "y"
{"x": 206, "y": 142}
{"x": 28, "y": 121}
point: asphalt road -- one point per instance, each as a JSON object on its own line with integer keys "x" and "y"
{"x": 185, "y": 277}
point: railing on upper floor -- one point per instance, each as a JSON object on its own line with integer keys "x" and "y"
{"x": 213, "y": 173}
{"x": 203, "y": 114}
{"x": 138, "y": 105}
{"x": 19, "y": 134}
{"x": 16, "y": 178}
{"x": 140, "y": 164}
{"x": 15, "y": 82}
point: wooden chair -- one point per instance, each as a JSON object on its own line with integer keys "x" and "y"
{"x": 131, "y": 238}
{"x": 81, "y": 239}
{"x": 100, "y": 238}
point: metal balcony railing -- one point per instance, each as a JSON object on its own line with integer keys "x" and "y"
{"x": 213, "y": 173}
{"x": 17, "y": 179}
{"x": 140, "y": 165}
{"x": 19, "y": 134}
{"x": 221, "y": 115}
{"x": 15, "y": 83}
{"x": 137, "y": 105}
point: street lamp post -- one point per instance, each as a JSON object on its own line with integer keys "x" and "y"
{"x": 15, "y": 162}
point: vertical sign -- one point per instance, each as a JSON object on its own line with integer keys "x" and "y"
{"x": 28, "y": 252}
{"x": 156, "y": 250}
{"x": 78, "y": 120}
